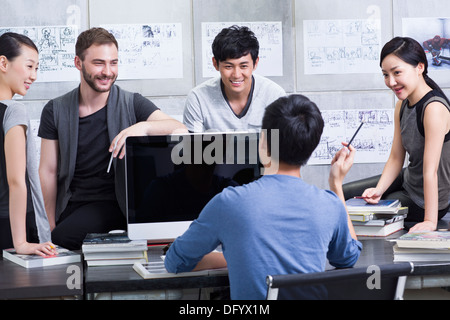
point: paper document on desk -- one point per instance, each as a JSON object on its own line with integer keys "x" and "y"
{"x": 156, "y": 269}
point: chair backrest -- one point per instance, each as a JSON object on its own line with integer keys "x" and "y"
{"x": 384, "y": 282}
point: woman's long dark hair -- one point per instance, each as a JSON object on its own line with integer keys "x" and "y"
{"x": 410, "y": 51}
{"x": 10, "y": 44}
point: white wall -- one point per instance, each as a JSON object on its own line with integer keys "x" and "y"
{"x": 364, "y": 90}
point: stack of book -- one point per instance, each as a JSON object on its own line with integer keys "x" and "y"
{"x": 376, "y": 220}
{"x": 431, "y": 246}
{"x": 107, "y": 249}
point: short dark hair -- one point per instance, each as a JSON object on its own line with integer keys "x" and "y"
{"x": 93, "y": 36}
{"x": 11, "y": 42}
{"x": 235, "y": 42}
{"x": 300, "y": 126}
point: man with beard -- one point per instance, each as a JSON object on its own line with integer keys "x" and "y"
{"x": 79, "y": 130}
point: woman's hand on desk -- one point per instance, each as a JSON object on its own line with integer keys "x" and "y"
{"x": 42, "y": 249}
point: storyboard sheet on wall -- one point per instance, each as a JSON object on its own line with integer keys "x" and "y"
{"x": 270, "y": 38}
{"x": 372, "y": 143}
{"x": 56, "y": 45}
{"x": 342, "y": 46}
{"x": 149, "y": 51}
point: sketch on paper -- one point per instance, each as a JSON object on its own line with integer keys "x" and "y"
{"x": 56, "y": 46}
{"x": 270, "y": 38}
{"x": 341, "y": 46}
{"x": 149, "y": 51}
{"x": 373, "y": 141}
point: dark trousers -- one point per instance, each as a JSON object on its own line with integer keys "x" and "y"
{"x": 395, "y": 191}
{"x": 81, "y": 218}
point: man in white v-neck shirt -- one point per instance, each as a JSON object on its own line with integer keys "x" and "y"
{"x": 237, "y": 99}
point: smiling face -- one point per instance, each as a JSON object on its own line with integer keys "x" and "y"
{"x": 236, "y": 75}
{"x": 20, "y": 72}
{"x": 402, "y": 78}
{"x": 99, "y": 68}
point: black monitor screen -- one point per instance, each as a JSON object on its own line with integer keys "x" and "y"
{"x": 171, "y": 178}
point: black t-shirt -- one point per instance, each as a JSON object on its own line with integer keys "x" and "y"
{"x": 90, "y": 181}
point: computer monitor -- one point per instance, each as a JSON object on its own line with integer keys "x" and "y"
{"x": 169, "y": 179}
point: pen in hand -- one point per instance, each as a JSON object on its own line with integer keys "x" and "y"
{"x": 351, "y": 140}
{"x": 112, "y": 156}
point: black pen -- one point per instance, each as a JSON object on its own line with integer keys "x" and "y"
{"x": 351, "y": 140}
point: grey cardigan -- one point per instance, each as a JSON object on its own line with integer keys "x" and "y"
{"x": 120, "y": 115}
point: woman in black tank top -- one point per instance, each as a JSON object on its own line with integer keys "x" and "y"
{"x": 404, "y": 65}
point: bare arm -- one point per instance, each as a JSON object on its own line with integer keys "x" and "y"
{"x": 158, "y": 123}
{"x": 213, "y": 260}
{"x": 15, "y": 167}
{"x": 15, "y": 156}
{"x": 340, "y": 165}
{"x": 48, "y": 169}
{"x": 436, "y": 124}
{"x": 393, "y": 166}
